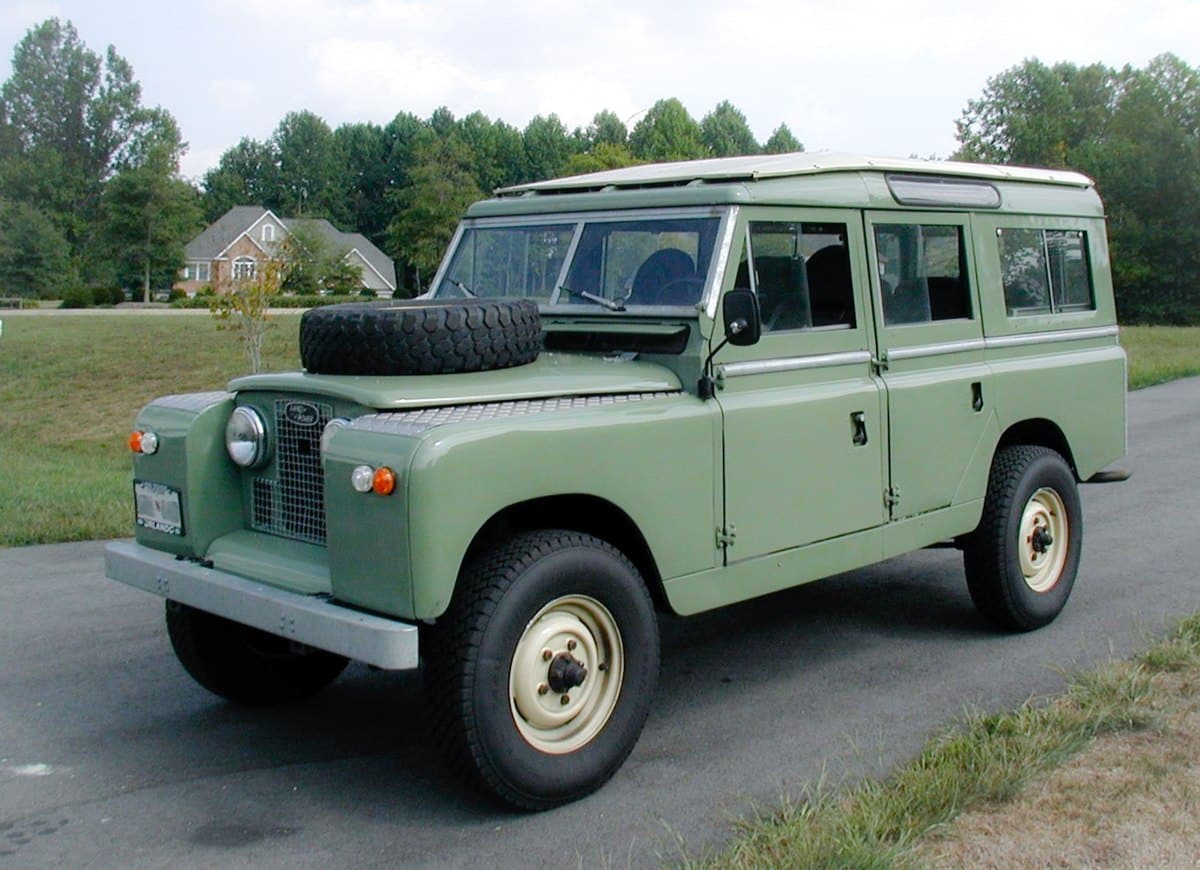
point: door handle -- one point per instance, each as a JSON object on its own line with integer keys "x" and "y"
{"x": 976, "y": 396}
{"x": 858, "y": 428}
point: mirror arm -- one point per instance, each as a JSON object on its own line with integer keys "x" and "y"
{"x": 706, "y": 387}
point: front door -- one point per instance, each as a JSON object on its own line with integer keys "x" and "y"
{"x": 931, "y": 344}
{"x": 803, "y": 428}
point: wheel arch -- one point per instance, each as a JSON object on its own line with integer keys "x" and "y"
{"x": 1039, "y": 432}
{"x": 578, "y": 512}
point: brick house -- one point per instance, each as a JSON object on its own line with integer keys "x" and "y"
{"x": 237, "y": 244}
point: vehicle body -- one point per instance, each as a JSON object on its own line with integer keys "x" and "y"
{"x": 756, "y": 372}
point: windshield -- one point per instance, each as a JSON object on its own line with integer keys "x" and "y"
{"x": 607, "y": 262}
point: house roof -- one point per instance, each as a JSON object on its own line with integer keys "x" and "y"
{"x": 764, "y": 166}
{"x": 226, "y": 229}
{"x": 222, "y": 232}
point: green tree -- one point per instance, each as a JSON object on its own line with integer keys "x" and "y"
{"x": 245, "y": 309}
{"x": 667, "y": 132}
{"x": 246, "y": 174}
{"x": 1036, "y": 115}
{"x": 365, "y": 150}
{"x": 725, "y": 133}
{"x": 606, "y": 128}
{"x": 311, "y": 167}
{"x": 33, "y": 253}
{"x": 781, "y": 141}
{"x": 599, "y": 157}
{"x": 440, "y": 186}
{"x": 69, "y": 117}
{"x": 548, "y": 147}
{"x": 149, "y": 212}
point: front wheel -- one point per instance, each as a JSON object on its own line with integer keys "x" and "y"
{"x": 1022, "y": 559}
{"x": 245, "y": 665}
{"x": 541, "y": 673}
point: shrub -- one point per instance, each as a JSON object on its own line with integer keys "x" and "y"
{"x": 76, "y": 297}
{"x": 107, "y": 295}
{"x": 206, "y": 290}
{"x": 175, "y": 295}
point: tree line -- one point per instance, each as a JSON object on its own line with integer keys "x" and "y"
{"x": 91, "y": 195}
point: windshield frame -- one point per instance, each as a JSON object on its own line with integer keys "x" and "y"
{"x": 715, "y": 268}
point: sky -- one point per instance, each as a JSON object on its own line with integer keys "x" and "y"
{"x": 880, "y": 78}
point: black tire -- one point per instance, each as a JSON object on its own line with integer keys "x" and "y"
{"x": 243, "y": 664}
{"x": 504, "y": 603}
{"x": 1012, "y": 582}
{"x": 420, "y": 337}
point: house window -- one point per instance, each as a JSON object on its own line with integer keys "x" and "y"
{"x": 244, "y": 268}
{"x": 268, "y": 232}
{"x": 195, "y": 272}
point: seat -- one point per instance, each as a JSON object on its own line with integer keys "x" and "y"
{"x": 830, "y": 289}
{"x": 908, "y": 303}
{"x": 666, "y": 277}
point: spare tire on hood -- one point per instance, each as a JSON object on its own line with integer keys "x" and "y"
{"x": 420, "y": 336}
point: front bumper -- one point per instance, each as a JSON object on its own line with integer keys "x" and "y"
{"x": 308, "y": 619}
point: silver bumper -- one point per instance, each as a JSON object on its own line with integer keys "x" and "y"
{"x": 385, "y": 643}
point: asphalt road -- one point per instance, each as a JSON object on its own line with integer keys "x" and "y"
{"x": 110, "y": 755}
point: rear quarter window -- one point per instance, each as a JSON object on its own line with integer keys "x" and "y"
{"x": 1045, "y": 271}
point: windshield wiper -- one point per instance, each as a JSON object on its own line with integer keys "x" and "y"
{"x": 610, "y": 304}
{"x": 464, "y": 288}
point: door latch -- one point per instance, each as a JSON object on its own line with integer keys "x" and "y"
{"x": 858, "y": 428}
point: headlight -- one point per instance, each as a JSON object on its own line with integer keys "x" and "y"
{"x": 246, "y": 438}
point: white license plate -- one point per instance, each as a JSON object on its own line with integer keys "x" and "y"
{"x": 158, "y": 507}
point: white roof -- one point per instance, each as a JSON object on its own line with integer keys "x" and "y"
{"x": 764, "y": 166}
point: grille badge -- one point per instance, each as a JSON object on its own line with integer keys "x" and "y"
{"x": 302, "y": 413}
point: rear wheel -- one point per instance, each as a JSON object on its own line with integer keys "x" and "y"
{"x": 542, "y": 671}
{"x": 245, "y": 665}
{"x": 1022, "y": 559}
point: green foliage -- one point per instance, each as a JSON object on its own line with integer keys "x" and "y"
{"x": 1137, "y": 132}
{"x": 600, "y": 156}
{"x": 440, "y": 187}
{"x": 725, "y": 132}
{"x": 34, "y": 256}
{"x": 606, "y": 129}
{"x": 782, "y": 142}
{"x": 311, "y": 168}
{"x": 667, "y": 132}
{"x": 547, "y": 147}
{"x": 77, "y": 297}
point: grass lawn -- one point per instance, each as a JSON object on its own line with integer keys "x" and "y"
{"x": 71, "y": 385}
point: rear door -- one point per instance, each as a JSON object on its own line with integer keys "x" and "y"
{"x": 931, "y": 346}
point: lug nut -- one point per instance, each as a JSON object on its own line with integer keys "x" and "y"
{"x": 543, "y": 688}
{"x": 571, "y": 644}
{"x": 566, "y": 699}
{"x": 547, "y": 655}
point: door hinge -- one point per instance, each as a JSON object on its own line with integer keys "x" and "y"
{"x": 726, "y": 535}
{"x": 891, "y": 496}
{"x": 879, "y": 363}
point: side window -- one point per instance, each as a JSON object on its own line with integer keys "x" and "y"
{"x": 1044, "y": 271}
{"x": 922, "y": 273}
{"x": 801, "y": 273}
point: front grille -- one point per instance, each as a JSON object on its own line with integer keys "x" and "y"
{"x": 292, "y": 504}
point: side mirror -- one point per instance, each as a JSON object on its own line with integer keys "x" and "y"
{"x": 743, "y": 321}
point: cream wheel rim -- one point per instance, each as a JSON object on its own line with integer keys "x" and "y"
{"x": 1044, "y": 539}
{"x": 555, "y": 710}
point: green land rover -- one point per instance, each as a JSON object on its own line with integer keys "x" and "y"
{"x": 668, "y": 387}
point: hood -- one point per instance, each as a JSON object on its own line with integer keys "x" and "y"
{"x": 551, "y": 374}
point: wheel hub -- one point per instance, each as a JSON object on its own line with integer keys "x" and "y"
{"x": 1043, "y": 542}
{"x": 566, "y": 672}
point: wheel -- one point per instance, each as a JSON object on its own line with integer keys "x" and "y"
{"x": 541, "y": 673}
{"x": 1022, "y": 559}
{"x": 243, "y": 664}
{"x": 420, "y": 337}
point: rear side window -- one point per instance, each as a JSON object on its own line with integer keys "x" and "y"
{"x": 1044, "y": 271}
{"x": 922, "y": 273}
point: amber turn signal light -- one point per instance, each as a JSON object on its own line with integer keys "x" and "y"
{"x": 143, "y": 442}
{"x": 384, "y": 481}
